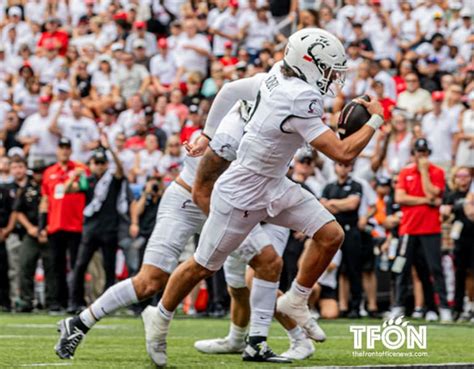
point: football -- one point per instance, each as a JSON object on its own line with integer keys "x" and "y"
{"x": 352, "y": 118}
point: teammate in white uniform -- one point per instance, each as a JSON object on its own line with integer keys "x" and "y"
{"x": 178, "y": 219}
{"x": 287, "y": 113}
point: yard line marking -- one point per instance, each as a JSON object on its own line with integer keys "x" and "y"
{"x": 45, "y": 364}
{"x": 48, "y": 326}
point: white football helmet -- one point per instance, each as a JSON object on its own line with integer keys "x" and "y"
{"x": 317, "y": 57}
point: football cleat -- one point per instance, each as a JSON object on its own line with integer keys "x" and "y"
{"x": 155, "y": 339}
{"x": 297, "y": 309}
{"x": 300, "y": 349}
{"x": 262, "y": 353}
{"x": 219, "y": 346}
{"x": 72, "y": 331}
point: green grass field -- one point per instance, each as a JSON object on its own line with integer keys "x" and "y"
{"x": 26, "y": 341}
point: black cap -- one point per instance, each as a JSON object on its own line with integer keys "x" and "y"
{"x": 64, "y": 141}
{"x": 99, "y": 156}
{"x": 384, "y": 181}
{"x": 421, "y": 144}
{"x": 194, "y": 109}
{"x": 38, "y": 165}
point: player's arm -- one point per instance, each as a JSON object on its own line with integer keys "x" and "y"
{"x": 229, "y": 94}
{"x": 345, "y": 151}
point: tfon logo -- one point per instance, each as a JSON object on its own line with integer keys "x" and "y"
{"x": 393, "y": 333}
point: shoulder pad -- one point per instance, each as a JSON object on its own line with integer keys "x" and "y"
{"x": 308, "y": 104}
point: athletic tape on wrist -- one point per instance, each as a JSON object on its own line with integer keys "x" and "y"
{"x": 375, "y": 121}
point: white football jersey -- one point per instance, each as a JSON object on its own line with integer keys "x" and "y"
{"x": 272, "y": 136}
{"x": 287, "y": 113}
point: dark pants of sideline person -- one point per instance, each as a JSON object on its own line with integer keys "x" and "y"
{"x": 463, "y": 262}
{"x": 63, "y": 243}
{"x": 30, "y": 252}
{"x": 424, "y": 252}
{"x": 352, "y": 264}
{"x": 107, "y": 243}
{"x": 4, "y": 280}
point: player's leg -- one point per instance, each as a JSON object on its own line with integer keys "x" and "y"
{"x": 174, "y": 226}
{"x": 210, "y": 168}
{"x": 310, "y": 217}
{"x": 225, "y": 228}
{"x": 234, "y": 271}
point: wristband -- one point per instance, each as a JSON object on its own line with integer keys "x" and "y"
{"x": 42, "y": 221}
{"x": 375, "y": 121}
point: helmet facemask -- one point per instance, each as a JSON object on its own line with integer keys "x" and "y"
{"x": 337, "y": 75}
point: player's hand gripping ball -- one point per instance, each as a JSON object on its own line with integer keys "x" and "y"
{"x": 352, "y": 117}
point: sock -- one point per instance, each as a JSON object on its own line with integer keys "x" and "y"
{"x": 262, "y": 304}
{"x": 300, "y": 290}
{"x": 87, "y": 318}
{"x": 471, "y": 306}
{"x": 296, "y": 334}
{"x": 164, "y": 313}
{"x": 119, "y": 295}
{"x": 237, "y": 334}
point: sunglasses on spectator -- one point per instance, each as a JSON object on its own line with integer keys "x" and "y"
{"x": 411, "y": 80}
{"x": 463, "y": 175}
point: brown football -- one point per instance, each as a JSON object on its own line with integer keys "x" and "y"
{"x": 352, "y": 118}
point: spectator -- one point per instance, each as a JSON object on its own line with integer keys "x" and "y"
{"x": 168, "y": 121}
{"x": 143, "y": 217}
{"x": 163, "y": 69}
{"x": 194, "y": 51}
{"x": 6, "y": 208}
{"x": 174, "y": 155}
{"x": 462, "y": 233}
{"x": 419, "y": 191}
{"x": 35, "y": 134}
{"x": 342, "y": 198}
{"x": 399, "y": 145}
{"x": 465, "y": 151}
{"x": 414, "y": 100}
{"x": 34, "y": 246}
{"x": 147, "y": 160}
{"x": 225, "y": 28}
{"x": 193, "y": 123}
{"x": 439, "y": 129}
{"x": 80, "y": 130}
{"x": 131, "y": 77}
{"x": 106, "y": 201}
{"x": 128, "y": 119}
{"x": 61, "y": 218}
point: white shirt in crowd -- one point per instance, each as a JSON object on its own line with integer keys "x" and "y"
{"x": 149, "y": 163}
{"x": 128, "y": 119}
{"x": 439, "y": 131}
{"x": 226, "y": 23}
{"x": 37, "y": 126}
{"x": 164, "y": 67}
{"x": 191, "y": 60}
{"x": 80, "y": 131}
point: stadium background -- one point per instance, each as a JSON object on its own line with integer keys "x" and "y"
{"x": 144, "y": 73}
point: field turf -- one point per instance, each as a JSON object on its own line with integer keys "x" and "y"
{"x": 26, "y": 341}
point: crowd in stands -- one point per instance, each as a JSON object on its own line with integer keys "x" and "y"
{"x": 97, "y": 93}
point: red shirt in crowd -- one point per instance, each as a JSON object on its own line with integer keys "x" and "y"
{"x": 64, "y": 209}
{"x": 400, "y": 84}
{"x": 135, "y": 143}
{"x": 226, "y": 61}
{"x": 59, "y": 37}
{"x": 419, "y": 219}
{"x": 387, "y": 104}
